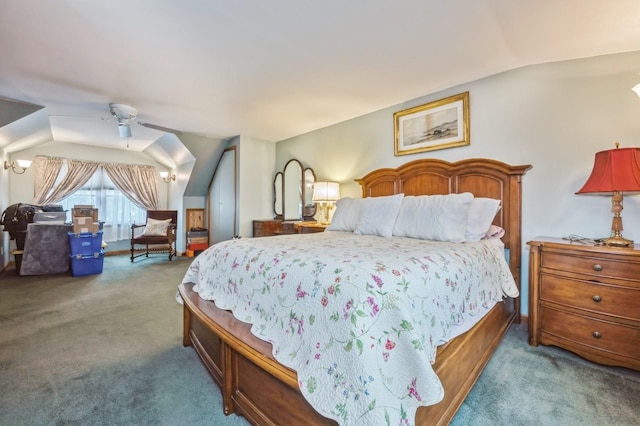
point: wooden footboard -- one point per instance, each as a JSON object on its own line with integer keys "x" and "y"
{"x": 255, "y": 385}
{"x": 252, "y": 382}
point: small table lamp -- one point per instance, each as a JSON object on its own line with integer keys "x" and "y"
{"x": 326, "y": 193}
{"x": 615, "y": 171}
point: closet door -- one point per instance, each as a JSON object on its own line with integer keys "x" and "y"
{"x": 222, "y": 199}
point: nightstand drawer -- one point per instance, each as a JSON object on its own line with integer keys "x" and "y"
{"x": 618, "y": 301}
{"x": 595, "y": 266}
{"x": 592, "y": 333}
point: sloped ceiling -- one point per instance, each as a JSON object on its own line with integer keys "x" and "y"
{"x": 268, "y": 70}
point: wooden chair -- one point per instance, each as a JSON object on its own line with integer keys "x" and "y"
{"x": 153, "y": 243}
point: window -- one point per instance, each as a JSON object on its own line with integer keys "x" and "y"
{"x": 114, "y": 209}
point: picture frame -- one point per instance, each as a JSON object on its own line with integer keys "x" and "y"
{"x": 436, "y": 125}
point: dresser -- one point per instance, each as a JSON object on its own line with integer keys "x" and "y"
{"x": 586, "y": 299}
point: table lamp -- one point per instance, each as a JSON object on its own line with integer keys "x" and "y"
{"x": 326, "y": 193}
{"x": 615, "y": 171}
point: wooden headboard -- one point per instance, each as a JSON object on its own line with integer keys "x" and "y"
{"x": 480, "y": 176}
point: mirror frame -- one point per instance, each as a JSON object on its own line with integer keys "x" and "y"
{"x": 308, "y": 206}
{"x": 278, "y": 190}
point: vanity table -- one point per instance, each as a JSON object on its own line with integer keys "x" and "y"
{"x": 293, "y": 206}
{"x": 271, "y": 227}
{"x": 310, "y": 228}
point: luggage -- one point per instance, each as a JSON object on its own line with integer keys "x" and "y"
{"x": 16, "y": 217}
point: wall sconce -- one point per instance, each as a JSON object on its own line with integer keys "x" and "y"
{"x": 166, "y": 178}
{"x": 614, "y": 171}
{"x": 326, "y": 193}
{"x": 23, "y": 164}
{"x": 636, "y": 89}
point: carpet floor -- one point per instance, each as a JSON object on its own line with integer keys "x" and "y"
{"x": 107, "y": 349}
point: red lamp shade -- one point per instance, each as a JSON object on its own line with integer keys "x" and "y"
{"x": 614, "y": 170}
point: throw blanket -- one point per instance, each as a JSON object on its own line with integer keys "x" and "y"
{"x": 358, "y": 317}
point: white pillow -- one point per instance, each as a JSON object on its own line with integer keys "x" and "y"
{"x": 156, "y": 228}
{"x": 481, "y": 214}
{"x": 378, "y": 215}
{"x": 345, "y": 218}
{"x": 434, "y": 217}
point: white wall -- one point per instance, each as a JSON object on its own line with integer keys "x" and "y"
{"x": 4, "y": 203}
{"x": 553, "y": 116}
{"x": 256, "y": 165}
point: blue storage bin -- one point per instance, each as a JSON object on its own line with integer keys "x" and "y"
{"x": 87, "y": 264}
{"x": 85, "y": 242}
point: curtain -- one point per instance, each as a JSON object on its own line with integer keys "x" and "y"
{"x": 78, "y": 173}
{"x": 137, "y": 183}
{"x": 46, "y": 172}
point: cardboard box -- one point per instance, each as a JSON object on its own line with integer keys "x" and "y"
{"x": 84, "y": 212}
{"x": 85, "y": 224}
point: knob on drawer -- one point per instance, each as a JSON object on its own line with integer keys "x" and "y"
{"x": 597, "y": 267}
{"x": 596, "y": 334}
{"x": 597, "y": 298}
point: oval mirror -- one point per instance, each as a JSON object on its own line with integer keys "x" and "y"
{"x": 278, "y": 204}
{"x": 309, "y": 207}
{"x": 293, "y": 190}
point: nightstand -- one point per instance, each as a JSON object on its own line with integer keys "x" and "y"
{"x": 310, "y": 228}
{"x": 586, "y": 299}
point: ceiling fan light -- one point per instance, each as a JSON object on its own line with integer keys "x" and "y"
{"x": 124, "y": 130}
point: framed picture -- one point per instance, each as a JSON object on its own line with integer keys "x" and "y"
{"x": 437, "y": 125}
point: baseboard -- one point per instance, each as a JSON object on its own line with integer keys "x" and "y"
{"x": 116, "y": 252}
{"x": 119, "y": 252}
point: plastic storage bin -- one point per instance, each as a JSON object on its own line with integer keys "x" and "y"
{"x": 85, "y": 242}
{"x": 87, "y": 264}
{"x": 54, "y": 217}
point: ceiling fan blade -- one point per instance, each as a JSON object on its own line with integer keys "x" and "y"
{"x": 161, "y": 128}
{"x": 82, "y": 117}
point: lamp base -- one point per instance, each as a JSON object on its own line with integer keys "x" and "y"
{"x": 617, "y": 241}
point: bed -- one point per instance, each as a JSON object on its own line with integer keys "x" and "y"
{"x": 265, "y": 391}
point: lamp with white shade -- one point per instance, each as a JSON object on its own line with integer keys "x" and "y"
{"x": 166, "y": 178}
{"x": 326, "y": 193}
{"x": 23, "y": 164}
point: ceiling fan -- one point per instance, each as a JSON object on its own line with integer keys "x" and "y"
{"x": 126, "y": 114}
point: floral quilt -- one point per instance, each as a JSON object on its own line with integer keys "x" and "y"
{"x": 358, "y": 317}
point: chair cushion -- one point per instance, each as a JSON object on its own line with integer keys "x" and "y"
{"x": 156, "y": 228}
{"x": 144, "y": 239}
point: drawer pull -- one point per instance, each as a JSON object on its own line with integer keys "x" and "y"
{"x": 597, "y": 334}
{"x": 597, "y": 298}
{"x": 597, "y": 267}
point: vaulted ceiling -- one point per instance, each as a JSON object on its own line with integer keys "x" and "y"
{"x": 267, "y": 69}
